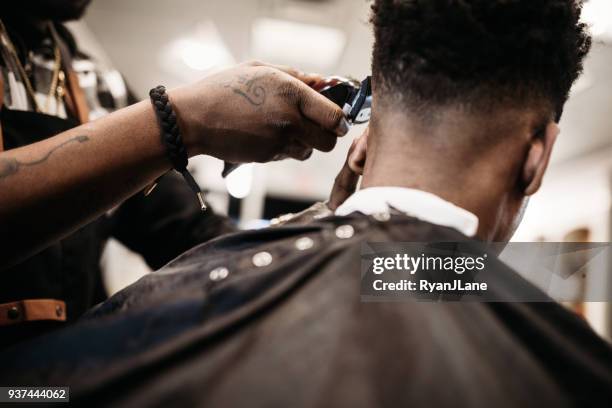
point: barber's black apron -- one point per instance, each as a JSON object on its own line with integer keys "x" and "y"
{"x": 67, "y": 270}
{"x": 158, "y": 227}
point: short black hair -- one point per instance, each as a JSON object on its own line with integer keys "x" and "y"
{"x": 478, "y": 53}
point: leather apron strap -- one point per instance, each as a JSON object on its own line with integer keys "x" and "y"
{"x": 75, "y": 97}
{"x": 30, "y": 310}
{"x": 1, "y": 107}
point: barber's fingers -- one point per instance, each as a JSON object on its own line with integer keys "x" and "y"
{"x": 312, "y": 104}
{"x": 358, "y": 153}
{"x": 306, "y": 137}
{"x": 344, "y": 185}
{"x": 314, "y": 136}
{"x": 322, "y": 111}
{"x": 297, "y": 150}
{"x": 307, "y": 78}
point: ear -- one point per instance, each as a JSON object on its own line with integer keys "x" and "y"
{"x": 538, "y": 156}
{"x": 357, "y": 157}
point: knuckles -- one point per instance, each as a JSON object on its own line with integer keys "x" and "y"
{"x": 288, "y": 91}
{"x": 253, "y": 63}
{"x": 335, "y": 117}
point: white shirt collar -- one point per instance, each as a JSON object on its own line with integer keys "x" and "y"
{"x": 415, "y": 203}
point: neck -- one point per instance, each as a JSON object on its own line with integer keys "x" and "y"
{"x": 428, "y": 158}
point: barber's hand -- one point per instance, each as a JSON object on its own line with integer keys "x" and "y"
{"x": 257, "y": 113}
{"x": 348, "y": 178}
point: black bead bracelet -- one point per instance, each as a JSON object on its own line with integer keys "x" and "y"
{"x": 171, "y": 138}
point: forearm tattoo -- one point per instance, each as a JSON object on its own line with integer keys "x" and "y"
{"x": 250, "y": 88}
{"x": 10, "y": 165}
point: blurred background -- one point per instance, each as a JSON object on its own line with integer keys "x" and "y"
{"x": 154, "y": 42}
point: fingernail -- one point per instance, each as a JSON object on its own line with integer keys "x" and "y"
{"x": 344, "y": 127}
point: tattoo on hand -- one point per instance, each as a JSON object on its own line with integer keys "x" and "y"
{"x": 249, "y": 88}
{"x": 10, "y": 166}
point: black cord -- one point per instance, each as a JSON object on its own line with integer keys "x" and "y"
{"x": 171, "y": 138}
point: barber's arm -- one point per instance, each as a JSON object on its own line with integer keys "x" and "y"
{"x": 249, "y": 113}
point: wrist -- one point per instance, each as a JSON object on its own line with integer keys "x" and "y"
{"x": 189, "y": 119}
{"x": 172, "y": 138}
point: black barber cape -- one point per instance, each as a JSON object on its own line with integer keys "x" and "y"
{"x": 256, "y": 320}
{"x": 158, "y": 227}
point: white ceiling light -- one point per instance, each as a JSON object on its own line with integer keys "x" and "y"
{"x": 306, "y": 46}
{"x": 202, "y": 49}
{"x": 598, "y": 15}
{"x": 202, "y": 56}
{"x": 240, "y": 182}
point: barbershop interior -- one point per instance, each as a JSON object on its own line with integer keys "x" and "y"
{"x": 333, "y": 37}
{"x": 234, "y": 294}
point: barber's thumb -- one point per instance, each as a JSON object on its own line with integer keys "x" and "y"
{"x": 322, "y": 111}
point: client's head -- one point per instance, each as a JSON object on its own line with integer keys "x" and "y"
{"x": 467, "y": 94}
